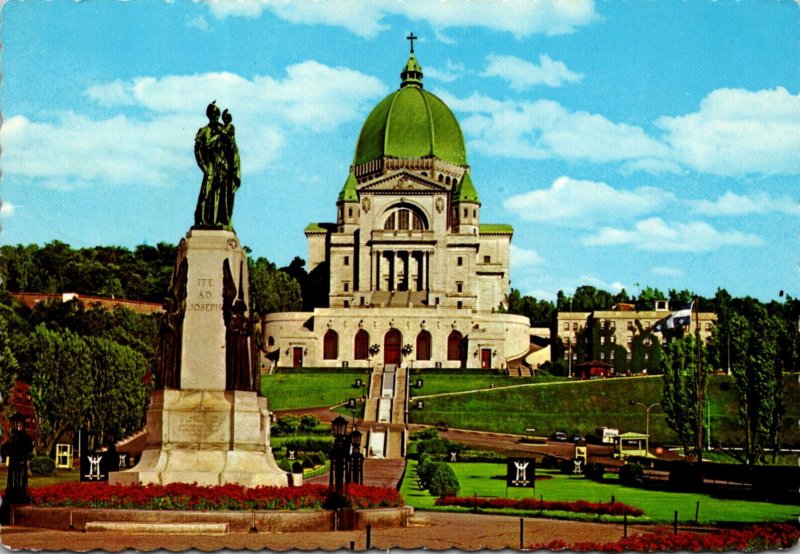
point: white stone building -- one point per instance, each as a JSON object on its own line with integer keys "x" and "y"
{"x": 408, "y": 264}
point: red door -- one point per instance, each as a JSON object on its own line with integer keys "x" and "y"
{"x": 486, "y": 358}
{"x": 391, "y": 347}
{"x": 297, "y": 356}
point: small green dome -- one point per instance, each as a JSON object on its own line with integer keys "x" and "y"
{"x": 348, "y": 192}
{"x": 465, "y": 191}
{"x": 411, "y": 123}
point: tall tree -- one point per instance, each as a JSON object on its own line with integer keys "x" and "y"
{"x": 8, "y": 365}
{"x": 272, "y": 290}
{"x": 62, "y": 384}
{"x": 679, "y": 396}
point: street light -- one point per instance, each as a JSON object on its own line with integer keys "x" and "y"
{"x": 647, "y": 423}
{"x": 338, "y": 454}
{"x": 569, "y": 373}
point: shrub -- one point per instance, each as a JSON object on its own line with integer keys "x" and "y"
{"x": 549, "y": 462}
{"x": 297, "y": 467}
{"x": 42, "y": 465}
{"x": 285, "y": 465}
{"x": 308, "y": 422}
{"x": 594, "y": 471}
{"x": 444, "y": 481}
{"x": 425, "y": 434}
{"x": 684, "y": 476}
{"x": 321, "y": 458}
{"x": 425, "y": 471}
{"x": 631, "y": 475}
{"x": 308, "y": 463}
{"x": 309, "y": 444}
{"x": 287, "y": 425}
{"x": 566, "y": 467}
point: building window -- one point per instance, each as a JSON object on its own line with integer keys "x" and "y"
{"x": 630, "y": 355}
{"x": 708, "y": 326}
{"x": 566, "y": 325}
{"x": 630, "y": 326}
{"x": 487, "y": 259}
{"x": 436, "y": 301}
{"x": 346, "y": 286}
{"x": 602, "y": 340}
{"x": 459, "y": 261}
{"x": 454, "y": 345}
{"x": 646, "y": 325}
{"x": 613, "y": 339}
{"x": 404, "y": 219}
{"x": 612, "y": 324}
{"x": 330, "y": 345}
{"x": 459, "y": 287}
{"x": 465, "y": 213}
{"x": 611, "y": 355}
{"x": 574, "y": 326}
{"x": 347, "y": 260}
{"x": 346, "y": 303}
{"x": 459, "y": 304}
{"x": 424, "y": 346}
{"x": 361, "y": 345}
{"x": 349, "y": 212}
{"x": 630, "y": 340}
{"x": 474, "y": 212}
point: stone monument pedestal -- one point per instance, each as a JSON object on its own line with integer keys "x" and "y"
{"x": 207, "y": 437}
{"x": 196, "y": 430}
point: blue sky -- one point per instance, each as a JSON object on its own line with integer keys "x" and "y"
{"x": 652, "y": 142}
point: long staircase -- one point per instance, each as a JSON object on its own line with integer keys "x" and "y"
{"x": 385, "y": 414}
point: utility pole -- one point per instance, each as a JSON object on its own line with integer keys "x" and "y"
{"x": 699, "y": 382}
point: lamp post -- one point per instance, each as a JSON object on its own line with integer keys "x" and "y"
{"x": 356, "y": 458}
{"x": 569, "y": 373}
{"x": 647, "y": 423}
{"x": 338, "y": 454}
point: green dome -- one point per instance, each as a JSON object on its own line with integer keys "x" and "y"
{"x": 411, "y": 123}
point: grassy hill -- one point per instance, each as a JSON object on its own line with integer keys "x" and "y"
{"x": 584, "y": 405}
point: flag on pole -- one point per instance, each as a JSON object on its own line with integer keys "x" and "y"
{"x": 678, "y": 318}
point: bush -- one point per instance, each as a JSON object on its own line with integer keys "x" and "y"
{"x": 297, "y": 467}
{"x": 444, "y": 481}
{"x": 309, "y": 444}
{"x": 308, "y": 422}
{"x": 308, "y": 463}
{"x": 594, "y": 471}
{"x": 287, "y": 425}
{"x": 549, "y": 462}
{"x": 43, "y": 466}
{"x": 425, "y": 434}
{"x": 425, "y": 471}
{"x": 631, "y": 475}
{"x": 685, "y": 477}
{"x": 440, "y": 447}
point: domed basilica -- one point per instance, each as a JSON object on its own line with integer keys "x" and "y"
{"x": 414, "y": 278}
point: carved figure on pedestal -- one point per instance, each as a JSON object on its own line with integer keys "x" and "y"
{"x": 168, "y": 359}
{"x": 238, "y": 330}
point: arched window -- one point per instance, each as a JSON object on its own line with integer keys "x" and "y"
{"x": 404, "y": 218}
{"x": 454, "y": 344}
{"x": 330, "y": 348}
{"x": 424, "y": 345}
{"x": 361, "y": 346}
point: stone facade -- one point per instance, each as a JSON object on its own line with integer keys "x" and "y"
{"x": 408, "y": 264}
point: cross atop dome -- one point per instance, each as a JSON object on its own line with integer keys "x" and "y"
{"x": 412, "y": 38}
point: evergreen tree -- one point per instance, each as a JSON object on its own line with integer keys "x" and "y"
{"x": 679, "y": 397}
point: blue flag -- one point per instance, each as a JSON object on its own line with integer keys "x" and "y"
{"x": 678, "y": 318}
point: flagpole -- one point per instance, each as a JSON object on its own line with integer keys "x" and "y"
{"x": 699, "y": 382}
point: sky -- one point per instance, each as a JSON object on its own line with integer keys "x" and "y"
{"x": 630, "y": 144}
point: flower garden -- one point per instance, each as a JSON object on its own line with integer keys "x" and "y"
{"x": 753, "y": 538}
{"x": 180, "y": 496}
{"x": 578, "y": 506}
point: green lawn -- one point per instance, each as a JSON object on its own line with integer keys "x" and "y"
{"x": 310, "y": 390}
{"x": 488, "y": 480}
{"x": 439, "y": 382}
{"x": 582, "y": 406}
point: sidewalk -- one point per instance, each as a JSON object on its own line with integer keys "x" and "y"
{"x": 446, "y": 531}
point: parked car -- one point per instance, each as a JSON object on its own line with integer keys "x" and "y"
{"x": 560, "y": 436}
{"x": 576, "y": 438}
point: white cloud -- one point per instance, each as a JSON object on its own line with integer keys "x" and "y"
{"x": 366, "y": 17}
{"x": 521, "y": 257}
{"x": 544, "y": 129}
{"x": 581, "y": 203}
{"x": 198, "y": 22}
{"x": 732, "y": 204}
{"x": 522, "y": 74}
{"x": 654, "y": 234}
{"x": 452, "y": 72}
{"x": 737, "y": 132}
{"x": 75, "y": 150}
{"x": 616, "y": 286}
{"x": 667, "y": 271}
{"x": 7, "y": 209}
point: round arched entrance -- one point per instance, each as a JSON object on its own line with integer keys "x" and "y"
{"x": 392, "y": 343}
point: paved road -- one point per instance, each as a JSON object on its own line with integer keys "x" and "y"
{"x": 446, "y": 531}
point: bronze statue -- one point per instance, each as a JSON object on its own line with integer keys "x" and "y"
{"x": 218, "y": 157}
{"x": 168, "y": 359}
{"x": 238, "y": 330}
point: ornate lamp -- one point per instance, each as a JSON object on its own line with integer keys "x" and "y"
{"x": 339, "y": 427}
{"x": 355, "y": 438}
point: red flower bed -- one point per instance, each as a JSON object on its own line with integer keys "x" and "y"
{"x": 749, "y": 539}
{"x": 180, "y": 496}
{"x": 611, "y": 508}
